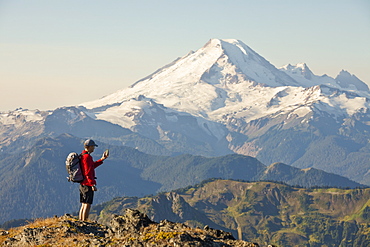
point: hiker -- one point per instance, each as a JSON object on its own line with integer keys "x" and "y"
{"x": 88, "y": 185}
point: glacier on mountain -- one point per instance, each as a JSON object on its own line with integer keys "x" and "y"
{"x": 20, "y": 116}
{"x": 226, "y": 78}
{"x": 223, "y": 98}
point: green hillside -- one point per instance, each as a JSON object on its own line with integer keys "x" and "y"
{"x": 33, "y": 183}
{"x": 263, "y": 212}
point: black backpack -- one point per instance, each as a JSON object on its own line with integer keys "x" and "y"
{"x": 73, "y": 168}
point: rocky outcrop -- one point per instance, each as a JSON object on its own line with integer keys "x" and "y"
{"x": 63, "y": 231}
{"x": 133, "y": 229}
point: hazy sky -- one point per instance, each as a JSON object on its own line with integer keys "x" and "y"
{"x": 59, "y": 53}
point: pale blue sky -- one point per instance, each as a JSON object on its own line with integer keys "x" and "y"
{"x": 58, "y": 53}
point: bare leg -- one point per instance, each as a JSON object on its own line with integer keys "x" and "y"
{"x": 81, "y": 211}
{"x": 84, "y": 211}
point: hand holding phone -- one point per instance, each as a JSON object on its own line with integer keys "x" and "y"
{"x": 105, "y": 154}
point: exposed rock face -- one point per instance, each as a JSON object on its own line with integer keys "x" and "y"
{"x": 131, "y": 223}
{"x": 134, "y": 229}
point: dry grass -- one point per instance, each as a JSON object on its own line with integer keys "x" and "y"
{"x": 63, "y": 231}
{"x": 48, "y": 222}
{"x": 41, "y": 222}
{"x": 12, "y": 233}
{"x": 52, "y": 225}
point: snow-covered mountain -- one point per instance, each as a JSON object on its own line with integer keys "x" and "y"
{"x": 227, "y": 96}
{"x": 225, "y": 80}
{"x": 220, "y": 99}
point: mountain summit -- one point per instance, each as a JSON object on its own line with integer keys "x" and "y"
{"x": 216, "y": 65}
{"x": 219, "y": 64}
{"x": 226, "y": 97}
{"x": 223, "y": 98}
{"x": 224, "y": 80}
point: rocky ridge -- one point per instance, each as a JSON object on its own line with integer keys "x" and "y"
{"x": 133, "y": 229}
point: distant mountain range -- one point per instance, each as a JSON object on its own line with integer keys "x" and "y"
{"x": 33, "y": 183}
{"x": 263, "y": 212}
{"x": 221, "y": 111}
{"x": 221, "y": 99}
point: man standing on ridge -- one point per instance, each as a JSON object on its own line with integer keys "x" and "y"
{"x": 88, "y": 185}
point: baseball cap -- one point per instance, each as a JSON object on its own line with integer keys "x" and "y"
{"x": 90, "y": 142}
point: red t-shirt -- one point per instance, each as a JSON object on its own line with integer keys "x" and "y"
{"x": 88, "y": 168}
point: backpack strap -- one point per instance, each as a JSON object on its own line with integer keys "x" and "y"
{"x": 82, "y": 154}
